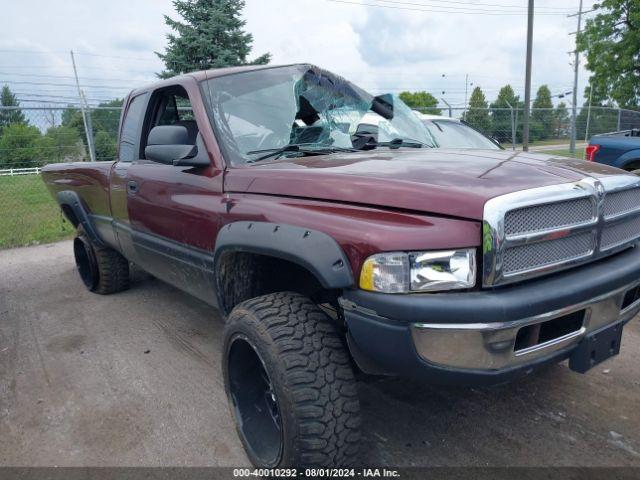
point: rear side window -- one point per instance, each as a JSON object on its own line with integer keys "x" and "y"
{"x": 131, "y": 127}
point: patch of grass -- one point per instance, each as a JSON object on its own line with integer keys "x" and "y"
{"x": 28, "y": 213}
{"x": 563, "y": 153}
{"x": 548, "y": 141}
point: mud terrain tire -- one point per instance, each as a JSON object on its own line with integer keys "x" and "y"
{"x": 306, "y": 384}
{"x": 102, "y": 269}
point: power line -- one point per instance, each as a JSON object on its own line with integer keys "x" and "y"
{"x": 69, "y": 97}
{"x": 68, "y": 77}
{"x": 88, "y": 67}
{"x": 462, "y": 12}
{"x": 109, "y": 87}
{"x": 59, "y": 52}
{"x": 471, "y": 6}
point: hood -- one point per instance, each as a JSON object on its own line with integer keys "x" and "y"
{"x": 445, "y": 182}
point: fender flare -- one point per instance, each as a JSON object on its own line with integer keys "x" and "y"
{"x": 628, "y": 157}
{"x": 315, "y": 251}
{"x": 72, "y": 200}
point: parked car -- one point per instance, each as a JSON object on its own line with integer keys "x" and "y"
{"x": 328, "y": 251}
{"x": 619, "y": 149}
{"x": 454, "y": 133}
{"x": 444, "y": 132}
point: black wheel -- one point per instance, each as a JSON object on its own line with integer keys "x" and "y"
{"x": 102, "y": 269}
{"x": 290, "y": 384}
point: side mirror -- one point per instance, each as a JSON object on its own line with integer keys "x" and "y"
{"x": 383, "y": 105}
{"x": 169, "y": 144}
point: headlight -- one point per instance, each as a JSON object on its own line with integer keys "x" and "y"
{"x": 400, "y": 272}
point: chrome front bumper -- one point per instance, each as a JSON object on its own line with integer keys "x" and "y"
{"x": 492, "y": 346}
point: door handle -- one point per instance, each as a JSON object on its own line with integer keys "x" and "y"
{"x": 132, "y": 186}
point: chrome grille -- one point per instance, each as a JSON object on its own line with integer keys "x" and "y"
{"x": 619, "y": 203}
{"x": 620, "y": 233}
{"x": 542, "y": 230}
{"x": 549, "y": 216}
{"x": 539, "y": 255}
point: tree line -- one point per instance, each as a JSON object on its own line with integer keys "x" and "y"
{"x": 494, "y": 119}
{"x": 30, "y": 141}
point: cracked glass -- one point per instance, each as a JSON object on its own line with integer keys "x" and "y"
{"x": 302, "y": 106}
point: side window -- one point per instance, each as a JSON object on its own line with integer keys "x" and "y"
{"x": 131, "y": 129}
{"x": 171, "y": 106}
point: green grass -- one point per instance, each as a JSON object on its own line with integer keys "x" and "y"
{"x": 28, "y": 213}
{"x": 540, "y": 143}
{"x": 563, "y": 153}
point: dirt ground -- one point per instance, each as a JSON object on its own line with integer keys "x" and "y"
{"x": 135, "y": 379}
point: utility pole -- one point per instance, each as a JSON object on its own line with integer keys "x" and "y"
{"x": 448, "y": 106}
{"x": 527, "y": 80}
{"x": 513, "y": 126}
{"x": 86, "y": 119}
{"x": 576, "y": 65}
{"x": 466, "y": 88}
{"x": 586, "y": 133}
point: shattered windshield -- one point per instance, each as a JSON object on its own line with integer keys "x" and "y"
{"x": 301, "y": 109}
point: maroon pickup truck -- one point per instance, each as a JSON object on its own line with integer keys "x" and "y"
{"x": 333, "y": 247}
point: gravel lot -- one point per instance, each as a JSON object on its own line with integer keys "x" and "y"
{"x": 134, "y": 379}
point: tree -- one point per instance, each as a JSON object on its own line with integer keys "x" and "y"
{"x": 423, "y": 101}
{"x": 602, "y": 117}
{"x": 61, "y": 144}
{"x": 478, "y": 114}
{"x": 105, "y": 146}
{"x": 542, "y": 115}
{"x": 69, "y": 115}
{"x": 9, "y": 117}
{"x": 501, "y": 114}
{"x": 611, "y": 42}
{"x": 19, "y": 146}
{"x": 561, "y": 121}
{"x": 211, "y": 36}
{"x": 105, "y": 118}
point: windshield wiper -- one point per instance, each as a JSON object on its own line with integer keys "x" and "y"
{"x": 403, "y": 142}
{"x": 298, "y": 148}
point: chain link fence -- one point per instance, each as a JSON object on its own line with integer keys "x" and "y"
{"x": 549, "y": 128}
{"x": 31, "y": 137}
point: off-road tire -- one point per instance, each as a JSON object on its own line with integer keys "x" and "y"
{"x": 111, "y": 268}
{"x": 307, "y": 362}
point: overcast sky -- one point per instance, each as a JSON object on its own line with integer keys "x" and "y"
{"x": 381, "y": 49}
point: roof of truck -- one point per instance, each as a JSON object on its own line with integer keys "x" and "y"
{"x": 207, "y": 74}
{"x": 219, "y": 72}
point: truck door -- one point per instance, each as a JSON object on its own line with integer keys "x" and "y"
{"x": 128, "y": 148}
{"x": 175, "y": 211}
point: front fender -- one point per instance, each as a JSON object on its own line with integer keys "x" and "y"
{"x": 315, "y": 251}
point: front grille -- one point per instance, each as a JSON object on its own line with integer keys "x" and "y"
{"x": 549, "y": 216}
{"x": 618, "y": 203}
{"x": 538, "y": 255}
{"x": 620, "y": 233}
{"x": 539, "y": 231}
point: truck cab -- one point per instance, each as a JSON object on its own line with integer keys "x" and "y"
{"x": 330, "y": 251}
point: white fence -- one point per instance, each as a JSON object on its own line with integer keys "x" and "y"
{"x": 10, "y": 172}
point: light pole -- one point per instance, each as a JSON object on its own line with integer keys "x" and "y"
{"x": 527, "y": 80}
{"x": 576, "y": 65}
